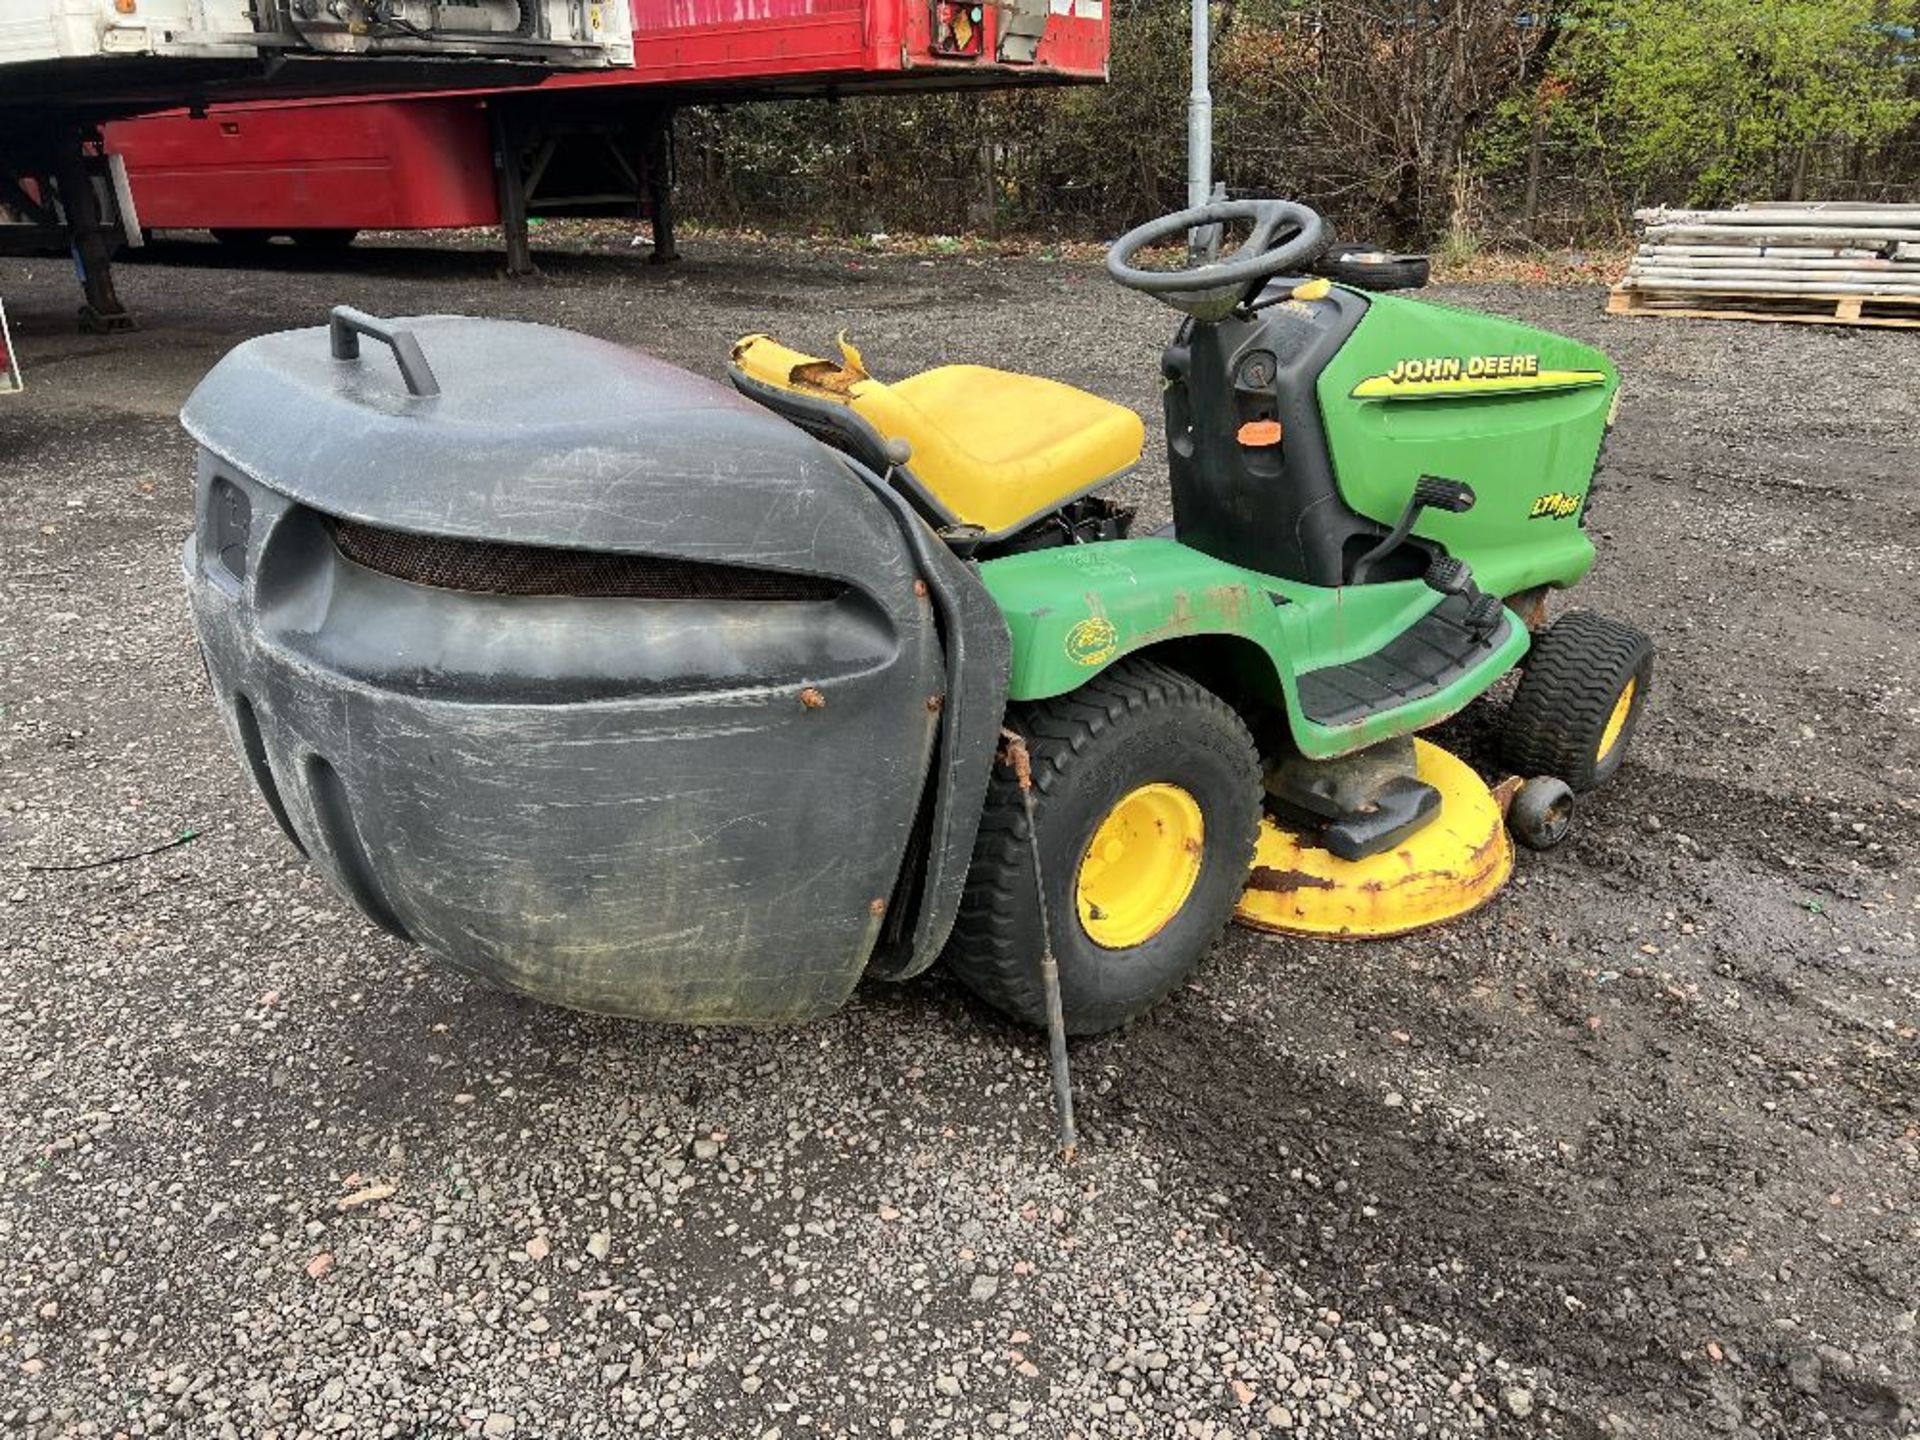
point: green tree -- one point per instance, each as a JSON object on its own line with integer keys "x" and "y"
{"x": 1718, "y": 100}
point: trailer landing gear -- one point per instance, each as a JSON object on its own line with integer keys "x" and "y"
{"x": 552, "y": 162}
{"x": 52, "y": 178}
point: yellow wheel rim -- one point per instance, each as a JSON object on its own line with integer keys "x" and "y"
{"x": 1616, "y": 722}
{"x": 1140, "y": 866}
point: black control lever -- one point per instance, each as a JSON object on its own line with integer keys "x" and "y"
{"x": 1430, "y": 492}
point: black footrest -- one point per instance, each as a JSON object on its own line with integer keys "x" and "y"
{"x": 1485, "y": 614}
{"x": 1449, "y": 576}
{"x": 1427, "y": 656}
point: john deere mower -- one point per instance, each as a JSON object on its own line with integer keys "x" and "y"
{"x": 643, "y": 696}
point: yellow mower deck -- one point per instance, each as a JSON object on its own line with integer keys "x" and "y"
{"x": 1454, "y": 864}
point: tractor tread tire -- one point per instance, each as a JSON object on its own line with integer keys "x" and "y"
{"x": 993, "y": 947}
{"x": 1572, "y": 679}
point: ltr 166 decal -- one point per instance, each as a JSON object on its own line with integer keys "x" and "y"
{"x": 1554, "y": 505}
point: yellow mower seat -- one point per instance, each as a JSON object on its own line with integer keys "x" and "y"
{"x": 991, "y": 447}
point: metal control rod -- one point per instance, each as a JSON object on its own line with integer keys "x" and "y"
{"x": 1014, "y": 753}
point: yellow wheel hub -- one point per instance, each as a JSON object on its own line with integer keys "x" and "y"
{"x": 1616, "y": 722}
{"x": 1451, "y": 865}
{"x": 1140, "y": 866}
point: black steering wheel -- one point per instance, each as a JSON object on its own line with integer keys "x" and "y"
{"x": 1284, "y": 236}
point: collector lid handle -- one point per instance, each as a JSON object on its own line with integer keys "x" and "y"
{"x": 346, "y": 325}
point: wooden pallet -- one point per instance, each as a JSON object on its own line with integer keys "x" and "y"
{"x": 1889, "y": 311}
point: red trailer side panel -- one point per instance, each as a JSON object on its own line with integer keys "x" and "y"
{"x": 740, "y": 45}
{"x": 405, "y": 162}
{"x": 380, "y": 165}
{"x": 730, "y": 40}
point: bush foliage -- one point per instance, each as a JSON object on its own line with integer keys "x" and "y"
{"x": 1414, "y": 121}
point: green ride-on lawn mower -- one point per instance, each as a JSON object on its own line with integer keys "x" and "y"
{"x": 633, "y": 695}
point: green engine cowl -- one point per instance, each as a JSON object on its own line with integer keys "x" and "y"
{"x": 1517, "y": 413}
{"x": 1371, "y": 393}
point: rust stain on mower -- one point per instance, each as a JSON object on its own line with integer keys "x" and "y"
{"x": 1283, "y": 882}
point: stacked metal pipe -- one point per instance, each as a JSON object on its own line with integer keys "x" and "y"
{"x": 1784, "y": 248}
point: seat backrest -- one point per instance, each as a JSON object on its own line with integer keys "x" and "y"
{"x": 888, "y": 413}
{"x": 818, "y": 396}
{"x": 945, "y": 474}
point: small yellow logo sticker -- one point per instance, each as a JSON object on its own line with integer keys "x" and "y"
{"x": 1555, "y": 505}
{"x": 1092, "y": 641}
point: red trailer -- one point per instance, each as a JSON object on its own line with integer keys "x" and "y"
{"x": 581, "y": 144}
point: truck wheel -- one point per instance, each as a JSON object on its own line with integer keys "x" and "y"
{"x": 247, "y": 242}
{"x": 1579, "y": 700}
{"x": 323, "y": 240}
{"x": 1147, "y": 803}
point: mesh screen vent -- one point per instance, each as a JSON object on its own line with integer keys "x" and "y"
{"x": 487, "y": 567}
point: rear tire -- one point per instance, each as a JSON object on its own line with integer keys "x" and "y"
{"x": 1138, "y": 730}
{"x": 1580, "y": 700}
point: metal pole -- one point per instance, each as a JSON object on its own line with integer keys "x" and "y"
{"x": 1014, "y": 752}
{"x": 1203, "y": 241}
{"x": 1199, "y": 115}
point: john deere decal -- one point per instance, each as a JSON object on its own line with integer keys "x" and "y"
{"x": 1439, "y": 376}
{"x": 1473, "y": 367}
{"x": 1092, "y": 641}
{"x": 1555, "y": 505}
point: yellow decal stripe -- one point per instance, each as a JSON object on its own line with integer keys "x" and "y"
{"x": 1385, "y": 387}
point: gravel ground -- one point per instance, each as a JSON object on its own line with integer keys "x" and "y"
{"x": 1632, "y": 1152}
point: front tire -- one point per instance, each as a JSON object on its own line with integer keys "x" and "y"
{"x": 1147, "y": 803}
{"x": 1580, "y": 700}
{"x": 1541, "y": 812}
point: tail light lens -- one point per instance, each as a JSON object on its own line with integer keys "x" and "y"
{"x": 958, "y": 29}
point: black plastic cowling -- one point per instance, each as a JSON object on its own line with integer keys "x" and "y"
{"x": 583, "y": 672}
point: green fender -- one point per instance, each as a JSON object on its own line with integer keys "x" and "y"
{"x": 1073, "y": 610}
